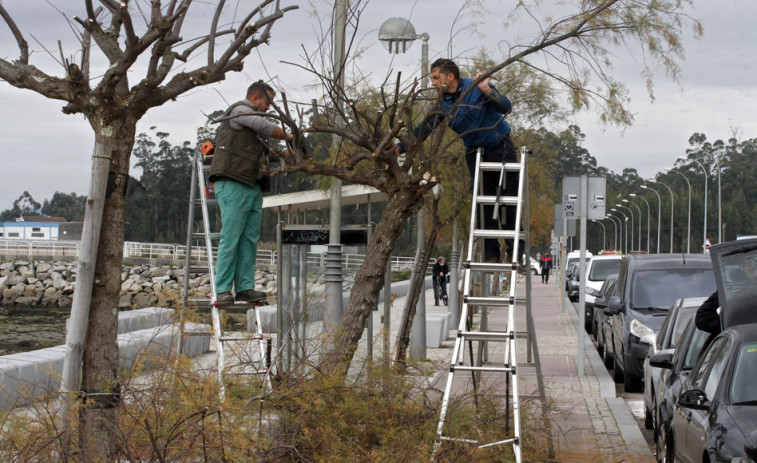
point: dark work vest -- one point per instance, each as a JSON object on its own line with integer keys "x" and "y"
{"x": 239, "y": 153}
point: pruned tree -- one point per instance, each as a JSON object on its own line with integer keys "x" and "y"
{"x": 133, "y": 38}
{"x": 571, "y": 60}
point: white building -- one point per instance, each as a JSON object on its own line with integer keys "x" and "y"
{"x": 29, "y": 230}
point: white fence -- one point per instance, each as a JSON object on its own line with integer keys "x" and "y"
{"x": 173, "y": 253}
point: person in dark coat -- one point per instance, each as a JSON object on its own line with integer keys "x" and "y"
{"x": 546, "y": 265}
{"x": 439, "y": 278}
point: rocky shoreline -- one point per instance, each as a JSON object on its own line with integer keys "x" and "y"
{"x": 41, "y": 284}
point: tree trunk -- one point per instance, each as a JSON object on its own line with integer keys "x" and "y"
{"x": 416, "y": 286}
{"x": 100, "y": 361}
{"x": 401, "y": 204}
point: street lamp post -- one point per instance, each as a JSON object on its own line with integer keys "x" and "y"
{"x": 638, "y": 248}
{"x": 720, "y": 223}
{"x": 672, "y": 200}
{"x": 604, "y": 233}
{"x": 634, "y": 195}
{"x": 688, "y": 239}
{"x": 659, "y": 215}
{"x": 615, "y": 229}
{"x": 704, "y": 229}
{"x": 625, "y": 219}
{"x": 630, "y": 213}
{"x": 397, "y": 35}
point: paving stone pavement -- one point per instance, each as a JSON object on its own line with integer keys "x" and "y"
{"x": 589, "y": 423}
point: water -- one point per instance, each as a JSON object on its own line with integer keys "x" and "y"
{"x": 30, "y": 328}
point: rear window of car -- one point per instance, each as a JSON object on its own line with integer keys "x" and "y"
{"x": 659, "y": 288}
{"x": 601, "y": 269}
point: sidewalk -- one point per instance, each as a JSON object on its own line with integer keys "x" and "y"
{"x": 589, "y": 423}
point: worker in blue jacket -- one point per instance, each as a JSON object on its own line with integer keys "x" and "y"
{"x": 477, "y": 114}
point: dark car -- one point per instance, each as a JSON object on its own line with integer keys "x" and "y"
{"x": 604, "y": 327}
{"x": 716, "y": 412}
{"x": 572, "y": 267}
{"x": 574, "y": 284}
{"x": 674, "y": 369}
{"x": 647, "y": 286}
{"x": 600, "y": 302}
{"x": 675, "y": 322}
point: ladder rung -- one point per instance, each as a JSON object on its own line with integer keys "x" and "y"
{"x": 509, "y": 166}
{"x": 491, "y": 300}
{"x": 201, "y": 236}
{"x": 209, "y": 202}
{"x": 240, "y": 338}
{"x": 491, "y": 266}
{"x": 458, "y": 439}
{"x": 201, "y": 270}
{"x": 494, "y": 234}
{"x": 503, "y": 200}
{"x": 483, "y": 336}
{"x": 483, "y": 369}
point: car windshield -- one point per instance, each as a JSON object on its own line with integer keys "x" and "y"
{"x": 600, "y": 269}
{"x": 683, "y": 319}
{"x": 659, "y": 288}
{"x": 743, "y": 385}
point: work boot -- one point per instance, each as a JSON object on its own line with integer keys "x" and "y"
{"x": 250, "y": 295}
{"x": 225, "y": 298}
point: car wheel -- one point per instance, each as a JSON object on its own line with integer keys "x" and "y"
{"x": 666, "y": 450}
{"x": 617, "y": 373}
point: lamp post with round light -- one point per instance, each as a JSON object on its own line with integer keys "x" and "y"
{"x": 397, "y": 35}
{"x": 659, "y": 214}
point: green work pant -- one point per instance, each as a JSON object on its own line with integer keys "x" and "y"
{"x": 241, "y": 213}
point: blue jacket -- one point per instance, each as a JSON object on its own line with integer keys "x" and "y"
{"x": 475, "y": 111}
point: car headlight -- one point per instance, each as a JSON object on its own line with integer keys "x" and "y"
{"x": 639, "y": 329}
{"x": 592, "y": 292}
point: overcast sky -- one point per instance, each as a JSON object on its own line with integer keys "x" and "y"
{"x": 45, "y": 151}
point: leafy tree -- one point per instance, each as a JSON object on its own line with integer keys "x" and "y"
{"x": 71, "y": 206}
{"x": 112, "y": 103}
{"x": 576, "y": 50}
{"x": 24, "y": 205}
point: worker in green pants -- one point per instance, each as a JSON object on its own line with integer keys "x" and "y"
{"x": 240, "y": 150}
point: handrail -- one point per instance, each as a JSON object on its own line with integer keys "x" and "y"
{"x": 177, "y": 252}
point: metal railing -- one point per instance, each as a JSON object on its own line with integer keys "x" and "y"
{"x": 176, "y": 252}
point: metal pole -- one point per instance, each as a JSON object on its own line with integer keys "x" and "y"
{"x": 619, "y": 243}
{"x": 332, "y": 315}
{"x": 704, "y": 229}
{"x": 615, "y": 234}
{"x": 625, "y": 219}
{"x": 630, "y": 211}
{"x": 649, "y": 209}
{"x": 720, "y": 226}
{"x": 582, "y": 275}
{"x": 659, "y": 214}
{"x": 672, "y": 200}
{"x": 604, "y": 234}
{"x": 417, "y": 346}
{"x": 688, "y": 239}
{"x": 638, "y": 209}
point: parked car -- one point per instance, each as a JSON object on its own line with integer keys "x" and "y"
{"x": 573, "y": 267}
{"x": 574, "y": 256}
{"x": 535, "y": 266}
{"x": 605, "y": 328}
{"x": 675, "y": 367}
{"x": 672, "y": 328}
{"x": 599, "y": 304}
{"x": 647, "y": 286}
{"x": 717, "y": 409}
{"x": 574, "y": 285}
{"x": 597, "y": 270}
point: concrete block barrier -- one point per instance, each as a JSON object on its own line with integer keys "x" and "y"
{"x": 141, "y": 319}
{"x": 36, "y": 374}
{"x": 437, "y": 329}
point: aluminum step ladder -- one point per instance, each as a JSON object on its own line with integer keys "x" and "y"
{"x": 477, "y": 363}
{"x": 199, "y": 260}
